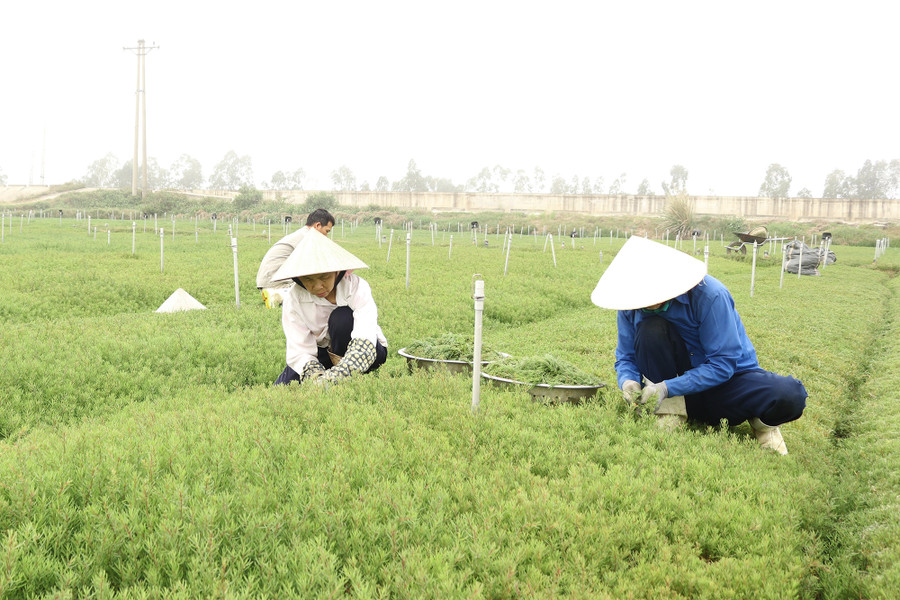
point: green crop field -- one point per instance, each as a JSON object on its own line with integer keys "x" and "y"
{"x": 148, "y": 455}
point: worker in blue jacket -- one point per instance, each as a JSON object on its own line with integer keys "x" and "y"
{"x": 679, "y": 333}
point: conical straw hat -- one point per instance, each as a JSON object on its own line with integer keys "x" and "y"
{"x": 180, "y": 300}
{"x": 645, "y": 273}
{"x": 316, "y": 254}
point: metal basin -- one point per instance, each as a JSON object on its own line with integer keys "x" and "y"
{"x": 453, "y": 366}
{"x": 551, "y": 394}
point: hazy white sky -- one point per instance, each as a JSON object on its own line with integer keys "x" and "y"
{"x": 578, "y": 88}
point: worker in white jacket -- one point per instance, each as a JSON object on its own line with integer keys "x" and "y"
{"x": 329, "y": 316}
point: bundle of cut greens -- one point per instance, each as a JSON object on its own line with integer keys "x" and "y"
{"x": 546, "y": 369}
{"x": 449, "y": 346}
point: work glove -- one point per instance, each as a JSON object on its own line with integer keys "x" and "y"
{"x": 631, "y": 391}
{"x": 359, "y": 357}
{"x": 312, "y": 370}
{"x": 657, "y": 392}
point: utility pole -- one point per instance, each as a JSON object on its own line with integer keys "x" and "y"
{"x": 141, "y": 50}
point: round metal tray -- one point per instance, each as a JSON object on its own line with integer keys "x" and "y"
{"x": 453, "y": 366}
{"x": 543, "y": 392}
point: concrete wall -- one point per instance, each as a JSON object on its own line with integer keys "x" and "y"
{"x": 830, "y": 209}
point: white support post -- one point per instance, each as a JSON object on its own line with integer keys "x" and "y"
{"x": 237, "y": 292}
{"x": 508, "y": 244}
{"x": 476, "y": 354}
{"x": 783, "y": 263}
{"x": 450, "y": 253}
{"x": 753, "y": 268}
{"x": 552, "y": 249}
{"x": 161, "y": 254}
{"x": 390, "y": 243}
{"x": 408, "y": 241}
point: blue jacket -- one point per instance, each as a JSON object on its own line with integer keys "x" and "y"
{"x": 712, "y": 330}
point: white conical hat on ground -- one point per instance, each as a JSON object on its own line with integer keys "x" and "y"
{"x": 645, "y": 273}
{"x": 180, "y": 300}
{"x": 317, "y": 254}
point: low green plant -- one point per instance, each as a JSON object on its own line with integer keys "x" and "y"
{"x": 678, "y": 216}
{"x": 148, "y": 455}
{"x": 546, "y": 369}
{"x": 449, "y": 346}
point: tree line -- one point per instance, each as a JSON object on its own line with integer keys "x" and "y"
{"x": 874, "y": 179}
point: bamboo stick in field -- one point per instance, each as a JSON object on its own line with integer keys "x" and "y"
{"x": 476, "y": 352}
{"x": 161, "y": 260}
{"x": 133, "y": 231}
{"x": 450, "y": 253}
{"x": 89, "y": 224}
{"x": 390, "y": 243}
{"x": 552, "y": 249}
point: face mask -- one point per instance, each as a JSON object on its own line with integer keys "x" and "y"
{"x": 662, "y": 308}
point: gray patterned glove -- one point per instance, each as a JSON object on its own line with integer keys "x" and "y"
{"x": 359, "y": 357}
{"x": 312, "y": 370}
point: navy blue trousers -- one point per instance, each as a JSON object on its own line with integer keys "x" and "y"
{"x": 340, "y": 326}
{"x": 661, "y": 354}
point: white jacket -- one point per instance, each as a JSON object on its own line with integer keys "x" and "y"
{"x": 305, "y": 319}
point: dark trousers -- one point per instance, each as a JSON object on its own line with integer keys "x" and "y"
{"x": 340, "y": 326}
{"x": 661, "y": 354}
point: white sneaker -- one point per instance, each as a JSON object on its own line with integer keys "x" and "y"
{"x": 769, "y": 437}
